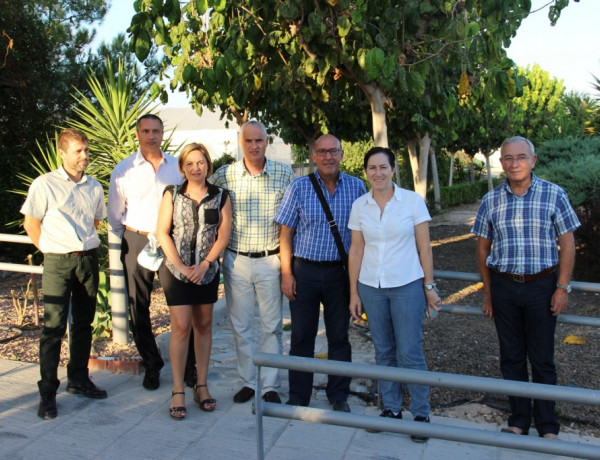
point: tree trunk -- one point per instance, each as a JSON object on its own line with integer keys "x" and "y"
{"x": 471, "y": 169}
{"x": 418, "y": 152}
{"x": 488, "y": 166}
{"x": 436, "y": 180}
{"x": 451, "y": 174}
{"x": 377, "y": 100}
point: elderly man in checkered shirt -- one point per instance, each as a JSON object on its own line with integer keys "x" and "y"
{"x": 526, "y": 278}
{"x": 251, "y": 266}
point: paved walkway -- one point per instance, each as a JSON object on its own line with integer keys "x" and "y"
{"x": 133, "y": 423}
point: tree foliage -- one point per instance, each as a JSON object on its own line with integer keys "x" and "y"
{"x": 118, "y": 53}
{"x": 330, "y": 66}
{"x": 43, "y": 44}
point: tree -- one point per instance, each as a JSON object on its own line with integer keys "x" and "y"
{"x": 120, "y": 57}
{"x": 539, "y": 113}
{"x": 347, "y": 57}
{"x": 43, "y": 63}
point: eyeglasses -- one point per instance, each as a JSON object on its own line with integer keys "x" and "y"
{"x": 324, "y": 152}
{"x": 517, "y": 159}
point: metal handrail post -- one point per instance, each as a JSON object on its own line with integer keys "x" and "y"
{"x": 258, "y": 408}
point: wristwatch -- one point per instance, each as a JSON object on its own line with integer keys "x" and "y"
{"x": 565, "y": 287}
{"x": 431, "y": 286}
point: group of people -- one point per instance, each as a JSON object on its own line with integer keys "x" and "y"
{"x": 319, "y": 239}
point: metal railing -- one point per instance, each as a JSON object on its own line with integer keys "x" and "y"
{"x": 456, "y": 381}
{"x": 476, "y": 311}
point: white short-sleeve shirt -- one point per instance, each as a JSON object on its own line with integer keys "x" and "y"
{"x": 67, "y": 210}
{"x": 390, "y": 256}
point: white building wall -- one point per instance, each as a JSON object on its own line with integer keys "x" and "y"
{"x": 214, "y": 134}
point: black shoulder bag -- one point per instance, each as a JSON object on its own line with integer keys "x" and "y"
{"x": 331, "y": 221}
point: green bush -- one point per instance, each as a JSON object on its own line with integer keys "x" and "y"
{"x": 225, "y": 159}
{"x": 574, "y": 164}
{"x": 461, "y": 193}
{"x": 579, "y": 176}
{"x": 567, "y": 149}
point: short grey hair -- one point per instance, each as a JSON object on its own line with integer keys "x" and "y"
{"x": 254, "y": 123}
{"x": 512, "y": 140}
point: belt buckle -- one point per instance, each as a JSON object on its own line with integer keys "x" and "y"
{"x": 518, "y": 278}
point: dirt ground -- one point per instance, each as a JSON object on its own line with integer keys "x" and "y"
{"x": 454, "y": 343}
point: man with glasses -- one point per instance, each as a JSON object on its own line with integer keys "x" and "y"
{"x": 526, "y": 278}
{"x": 312, "y": 268}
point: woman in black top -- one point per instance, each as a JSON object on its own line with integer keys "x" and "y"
{"x": 194, "y": 225}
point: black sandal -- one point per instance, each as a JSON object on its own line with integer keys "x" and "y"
{"x": 177, "y": 412}
{"x": 204, "y": 404}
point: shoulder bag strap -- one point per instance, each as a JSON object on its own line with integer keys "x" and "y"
{"x": 330, "y": 220}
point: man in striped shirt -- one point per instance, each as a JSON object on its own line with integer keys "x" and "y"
{"x": 518, "y": 225}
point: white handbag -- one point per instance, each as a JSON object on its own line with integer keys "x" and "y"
{"x": 152, "y": 255}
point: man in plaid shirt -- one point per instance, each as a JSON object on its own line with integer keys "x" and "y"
{"x": 518, "y": 225}
{"x": 251, "y": 266}
{"x": 312, "y": 268}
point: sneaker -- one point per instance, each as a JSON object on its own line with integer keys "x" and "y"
{"x": 386, "y": 413}
{"x": 86, "y": 388}
{"x": 47, "y": 408}
{"x": 415, "y": 438}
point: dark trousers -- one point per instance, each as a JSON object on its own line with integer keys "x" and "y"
{"x": 316, "y": 284}
{"x": 139, "y": 287}
{"x": 67, "y": 281}
{"x": 525, "y": 328}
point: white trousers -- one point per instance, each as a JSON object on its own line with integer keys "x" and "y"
{"x": 248, "y": 283}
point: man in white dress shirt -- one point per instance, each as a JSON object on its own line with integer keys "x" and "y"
{"x": 136, "y": 188}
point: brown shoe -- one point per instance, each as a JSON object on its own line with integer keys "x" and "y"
{"x": 243, "y": 395}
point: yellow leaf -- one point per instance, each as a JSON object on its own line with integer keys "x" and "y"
{"x": 574, "y": 340}
{"x": 321, "y": 356}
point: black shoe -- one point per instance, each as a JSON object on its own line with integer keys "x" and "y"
{"x": 415, "y": 438}
{"x": 190, "y": 377}
{"x": 272, "y": 397}
{"x": 86, "y": 388}
{"x": 243, "y": 395}
{"x": 151, "y": 379}
{"x": 386, "y": 413}
{"x": 340, "y": 406}
{"x": 293, "y": 402}
{"x": 47, "y": 409}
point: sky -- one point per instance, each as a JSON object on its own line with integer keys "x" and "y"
{"x": 569, "y": 51}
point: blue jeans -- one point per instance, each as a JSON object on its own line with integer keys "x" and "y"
{"x": 525, "y": 328}
{"x": 395, "y": 318}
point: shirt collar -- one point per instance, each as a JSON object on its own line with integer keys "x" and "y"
{"x": 266, "y": 170}
{"x": 211, "y": 191}
{"x": 139, "y": 158}
{"x": 397, "y": 195}
{"x": 532, "y": 185}
{"x": 317, "y": 175}
{"x": 63, "y": 174}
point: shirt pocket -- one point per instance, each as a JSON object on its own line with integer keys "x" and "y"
{"x": 211, "y": 216}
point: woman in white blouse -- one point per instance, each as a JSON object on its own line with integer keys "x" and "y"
{"x": 391, "y": 277}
